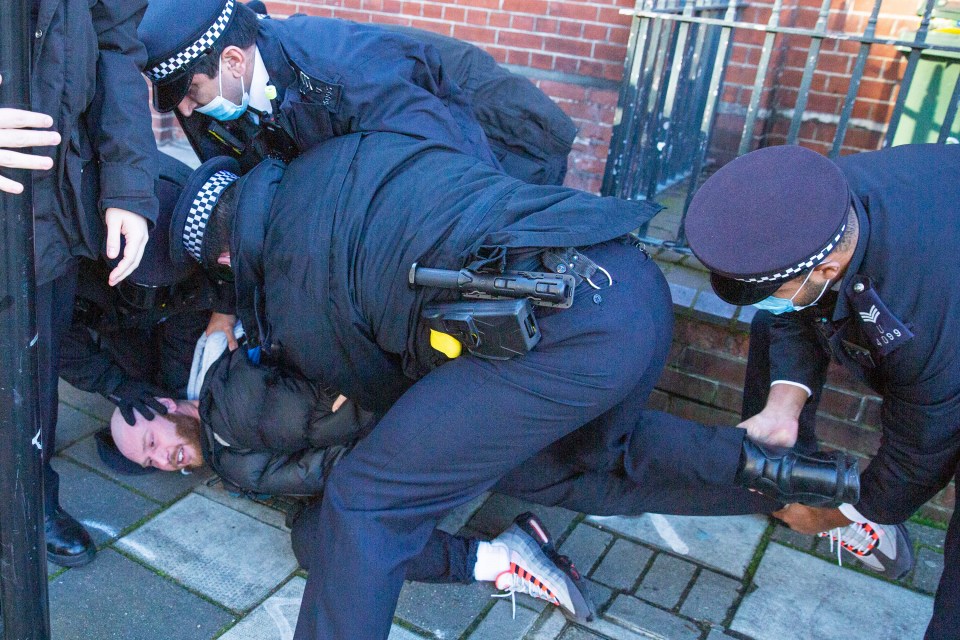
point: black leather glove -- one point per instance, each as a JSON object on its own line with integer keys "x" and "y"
{"x": 142, "y": 396}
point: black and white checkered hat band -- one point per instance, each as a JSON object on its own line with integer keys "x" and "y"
{"x": 201, "y": 209}
{"x": 812, "y": 261}
{"x": 195, "y": 50}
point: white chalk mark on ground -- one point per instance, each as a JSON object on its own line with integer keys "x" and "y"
{"x": 669, "y": 534}
{"x": 274, "y": 608}
{"x": 139, "y": 549}
{"x": 99, "y": 526}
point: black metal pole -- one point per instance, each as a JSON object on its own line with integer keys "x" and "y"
{"x": 23, "y": 575}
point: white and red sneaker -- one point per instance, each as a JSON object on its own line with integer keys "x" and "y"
{"x": 883, "y": 548}
{"x": 539, "y": 571}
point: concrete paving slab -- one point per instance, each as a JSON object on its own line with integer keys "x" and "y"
{"x": 217, "y": 493}
{"x": 711, "y": 597}
{"x": 399, "y": 633}
{"x": 103, "y": 507}
{"x": 926, "y": 575}
{"x": 114, "y": 598}
{"x": 226, "y": 555}
{"x": 666, "y": 580}
{"x": 551, "y": 628}
{"x": 800, "y": 597}
{"x": 74, "y": 425}
{"x": 91, "y": 403}
{"x": 459, "y": 517}
{"x": 499, "y": 511}
{"x": 585, "y": 545}
{"x": 622, "y": 566}
{"x": 162, "y": 486}
{"x": 725, "y": 543}
{"x": 445, "y": 610}
{"x": 639, "y": 616}
{"x": 275, "y": 618}
{"x": 499, "y": 623}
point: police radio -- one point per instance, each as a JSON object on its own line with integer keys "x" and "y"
{"x": 497, "y": 320}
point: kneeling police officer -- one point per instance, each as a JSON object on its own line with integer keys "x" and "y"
{"x": 324, "y": 252}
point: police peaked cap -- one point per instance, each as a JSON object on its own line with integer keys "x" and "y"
{"x": 155, "y": 268}
{"x": 765, "y": 218}
{"x": 177, "y": 35}
{"x": 199, "y": 197}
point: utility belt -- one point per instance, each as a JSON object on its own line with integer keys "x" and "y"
{"x": 495, "y": 318}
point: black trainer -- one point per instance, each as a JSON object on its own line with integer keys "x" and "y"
{"x": 821, "y": 480}
{"x": 538, "y": 570}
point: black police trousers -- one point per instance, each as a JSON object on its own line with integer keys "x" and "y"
{"x": 54, "y": 312}
{"x": 472, "y": 425}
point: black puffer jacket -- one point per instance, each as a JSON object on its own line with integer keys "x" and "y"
{"x": 266, "y": 431}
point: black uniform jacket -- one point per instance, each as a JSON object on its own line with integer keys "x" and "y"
{"x": 321, "y": 251}
{"x": 335, "y": 77}
{"x": 86, "y": 75}
{"x": 530, "y": 135}
{"x": 270, "y": 432}
{"x": 905, "y": 341}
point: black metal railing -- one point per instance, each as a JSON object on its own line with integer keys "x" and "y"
{"x": 674, "y": 78}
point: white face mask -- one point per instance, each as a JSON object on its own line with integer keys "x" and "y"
{"x": 222, "y": 109}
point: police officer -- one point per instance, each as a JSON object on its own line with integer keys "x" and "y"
{"x": 134, "y": 343}
{"x": 322, "y": 252}
{"x": 98, "y": 186}
{"x": 274, "y": 88}
{"x": 854, "y": 259}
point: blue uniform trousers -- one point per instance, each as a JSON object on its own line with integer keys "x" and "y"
{"x": 471, "y": 422}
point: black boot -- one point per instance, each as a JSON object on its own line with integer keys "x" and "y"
{"x": 68, "y": 543}
{"x": 819, "y": 480}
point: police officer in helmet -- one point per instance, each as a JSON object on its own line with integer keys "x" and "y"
{"x": 134, "y": 343}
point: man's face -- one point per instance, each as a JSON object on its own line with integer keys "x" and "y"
{"x": 168, "y": 445}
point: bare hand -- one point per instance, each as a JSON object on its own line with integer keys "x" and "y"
{"x": 15, "y": 133}
{"x": 224, "y": 322}
{"x": 811, "y": 520}
{"x": 778, "y": 423}
{"x": 134, "y": 229}
{"x": 772, "y": 429}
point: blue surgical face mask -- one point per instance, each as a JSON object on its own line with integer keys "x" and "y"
{"x": 776, "y": 305}
{"x": 222, "y": 109}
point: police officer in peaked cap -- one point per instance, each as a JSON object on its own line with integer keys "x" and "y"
{"x": 251, "y": 87}
{"x": 854, "y": 260}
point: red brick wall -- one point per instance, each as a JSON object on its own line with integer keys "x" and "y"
{"x": 831, "y": 81}
{"x": 574, "y": 50}
{"x": 703, "y": 381}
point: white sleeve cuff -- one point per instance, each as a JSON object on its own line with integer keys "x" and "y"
{"x": 851, "y": 513}
{"x": 794, "y": 384}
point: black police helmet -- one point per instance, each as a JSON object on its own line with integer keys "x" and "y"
{"x": 177, "y": 35}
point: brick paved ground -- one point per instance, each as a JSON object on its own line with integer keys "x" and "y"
{"x": 180, "y": 559}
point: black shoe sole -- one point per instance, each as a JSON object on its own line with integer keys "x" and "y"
{"x": 72, "y": 561}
